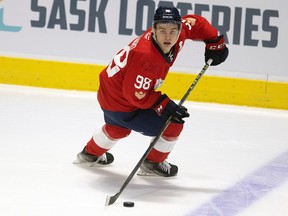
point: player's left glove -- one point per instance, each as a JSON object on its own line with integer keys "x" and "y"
{"x": 216, "y": 50}
{"x": 166, "y": 107}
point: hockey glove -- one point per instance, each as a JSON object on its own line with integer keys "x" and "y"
{"x": 216, "y": 50}
{"x": 166, "y": 107}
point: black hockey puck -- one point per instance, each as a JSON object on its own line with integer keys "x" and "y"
{"x": 128, "y": 204}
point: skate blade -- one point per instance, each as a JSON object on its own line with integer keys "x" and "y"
{"x": 81, "y": 163}
{"x": 149, "y": 173}
{"x": 76, "y": 162}
{"x": 144, "y": 173}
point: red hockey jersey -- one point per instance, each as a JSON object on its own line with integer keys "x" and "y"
{"x": 131, "y": 79}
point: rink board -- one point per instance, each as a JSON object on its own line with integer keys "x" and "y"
{"x": 77, "y": 76}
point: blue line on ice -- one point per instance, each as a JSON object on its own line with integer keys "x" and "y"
{"x": 244, "y": 193}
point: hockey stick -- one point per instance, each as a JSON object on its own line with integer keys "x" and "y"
{"x": 111, "y": 199}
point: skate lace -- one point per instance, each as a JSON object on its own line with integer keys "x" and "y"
{"x": 165, "y": 166}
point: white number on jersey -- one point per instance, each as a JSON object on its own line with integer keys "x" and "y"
{"x": 119, "y": 61}
{"x": 142, "y": 82}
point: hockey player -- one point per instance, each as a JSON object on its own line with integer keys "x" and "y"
{"x": 128, "y": 92}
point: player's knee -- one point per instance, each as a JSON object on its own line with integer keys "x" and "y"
{"x": 115, "y": 132}
{"x": 173, "y": 131}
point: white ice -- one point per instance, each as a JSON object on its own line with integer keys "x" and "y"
{"x": 42, "y": 130}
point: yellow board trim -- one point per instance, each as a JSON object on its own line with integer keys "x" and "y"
{"x": 245, "y": 92}
{"x": 76, "y": 76}
{"x": 49, "y": 74}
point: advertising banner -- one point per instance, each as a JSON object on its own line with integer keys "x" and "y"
{"x": 92, "y": 31}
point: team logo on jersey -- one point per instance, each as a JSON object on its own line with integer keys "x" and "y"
{"x": 140, "y": 95}
{"x": 158, "y": 83}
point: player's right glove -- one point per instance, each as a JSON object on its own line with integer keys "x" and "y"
{"x": 216, "y": 50}
{"x": 166, "y": 107}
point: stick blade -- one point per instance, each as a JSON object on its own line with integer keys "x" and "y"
{"x": 111, "y": 199}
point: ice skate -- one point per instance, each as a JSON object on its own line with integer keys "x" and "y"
{"x": 91, "y": 160}
{"x": 164, "y": 169}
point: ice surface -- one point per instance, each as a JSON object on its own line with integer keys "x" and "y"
{"x": 221, "y": 147}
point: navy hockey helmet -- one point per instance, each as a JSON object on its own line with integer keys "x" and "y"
{"x": 167, "y": 15}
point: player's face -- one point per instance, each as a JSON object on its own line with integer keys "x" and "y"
{"x": 166, "y": 35}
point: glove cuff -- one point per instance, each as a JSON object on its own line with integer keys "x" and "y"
{"x": 161, "y": 104}
{"x": 216, "y": 44}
